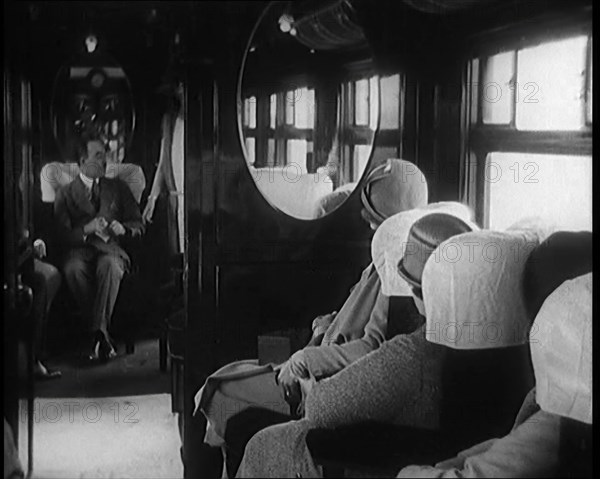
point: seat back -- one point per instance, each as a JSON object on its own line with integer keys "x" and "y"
{"x": 576, "y": 448}
{"x": 56, "y": 175}
{"x": 290, "y": 192}
{"x": 483, "y": 391}
{"x": 131, "y": 174}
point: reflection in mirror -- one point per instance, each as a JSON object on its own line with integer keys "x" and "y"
{"x": 92, "y": 98}
{"x": 308, "y": 105}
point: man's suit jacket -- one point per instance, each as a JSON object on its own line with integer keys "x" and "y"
{"x": 73, "y": 209}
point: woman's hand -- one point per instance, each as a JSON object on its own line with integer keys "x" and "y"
{"x": 290, "y": 372}
{"x": 149, "y": 209}
{"x": 286, "y": 379}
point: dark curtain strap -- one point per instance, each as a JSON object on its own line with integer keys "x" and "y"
{"x": 444, "y": 7}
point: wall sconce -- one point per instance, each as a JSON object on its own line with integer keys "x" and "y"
{"x": 91, "y": 42}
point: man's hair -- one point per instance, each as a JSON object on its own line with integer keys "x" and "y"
{"x": 82, "y": 146}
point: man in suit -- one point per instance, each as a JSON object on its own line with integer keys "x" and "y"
{"x": 95, "y": 214}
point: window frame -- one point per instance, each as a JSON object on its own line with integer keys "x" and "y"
{"x": 480, "y": 139}
{"x": 350, "y": 135}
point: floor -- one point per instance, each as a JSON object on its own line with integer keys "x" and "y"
{"x": 105, "y": 421}
{"x": 127, "y": 374}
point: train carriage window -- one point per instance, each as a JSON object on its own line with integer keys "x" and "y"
{"x": 361, "y": 102}
{"x": 373, "y": 102}
{"x": 473, "y": 97}
{"x": 589, "y": 84}
{"x": 530, "y": 142}
{"x": 498, "y": 89}
{"x": 270, "y": 152}
{"x": 251, "y": 149}
{"x": 296, "y": 151}
{"x": 289, "y": 107}
{"x": 557, "y": 188}
{"x": 361, "y": 107}
{"x": 250, "y": 112}
{"x": 273, "y": 111}
{"x": 304, "y": 108}
{"x": 289, "y": 130}
{"x": 551, "y": 85}
{"x": 390, "y": 107}
{"x": 361, "y": 158}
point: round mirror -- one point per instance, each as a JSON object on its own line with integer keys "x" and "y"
{"x": 92, "y": 98}
{"x": 308, "y": 105}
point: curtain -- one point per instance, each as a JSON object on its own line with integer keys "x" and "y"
{"x": 331, "y": 27}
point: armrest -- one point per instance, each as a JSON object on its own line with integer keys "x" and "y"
{"x": 241, "y": 427}
{"x": 131, "y": 242}
{"x": 134, "y": 246}
{"x": 383, "y": 448}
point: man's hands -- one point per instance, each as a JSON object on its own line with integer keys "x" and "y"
{"x": 100, "y": 225}
{"x": 116, "y": 228}
{"x": 97, "y": 225}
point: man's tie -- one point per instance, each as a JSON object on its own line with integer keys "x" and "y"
{"x": 95, "y": 198}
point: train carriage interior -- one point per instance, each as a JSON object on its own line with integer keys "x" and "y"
{"x": 304, "y": 238}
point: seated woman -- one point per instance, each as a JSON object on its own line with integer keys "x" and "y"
{"x": 561, "y": 257}
{"x": 563, "y": 390}
{"x": 45, "y": 281}
{"x": 400, "y": 382}
{"x": 364, "y": 391}
{"x": 339, "y": 339}
{"x": 45, "y": 284}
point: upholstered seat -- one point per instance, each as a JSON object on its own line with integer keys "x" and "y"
{"x": 56, "y": 175}
{"x": 291, "y": 192}
{"x": 484, "y": 378}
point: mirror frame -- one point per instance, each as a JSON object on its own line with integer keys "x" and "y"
{"x": 239, "y": 112}
{"x": 55, "y": 86}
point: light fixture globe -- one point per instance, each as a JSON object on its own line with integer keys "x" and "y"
{"x": 285, "y": 22}
{"x": 91, "y": 42}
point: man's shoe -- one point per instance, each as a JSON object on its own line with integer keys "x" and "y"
{"x": 93, "y": 354}
{"x": 106, "y": 350}
{"x": 40, "y": 372}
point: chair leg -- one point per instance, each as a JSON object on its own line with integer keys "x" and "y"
{"x": 162, "y": 352}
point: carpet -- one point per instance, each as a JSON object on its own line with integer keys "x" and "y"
{"x": 108, "y": 437}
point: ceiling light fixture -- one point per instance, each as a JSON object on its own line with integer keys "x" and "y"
{"x": 91, "y": 42}
{"x": 285, "y": 23}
